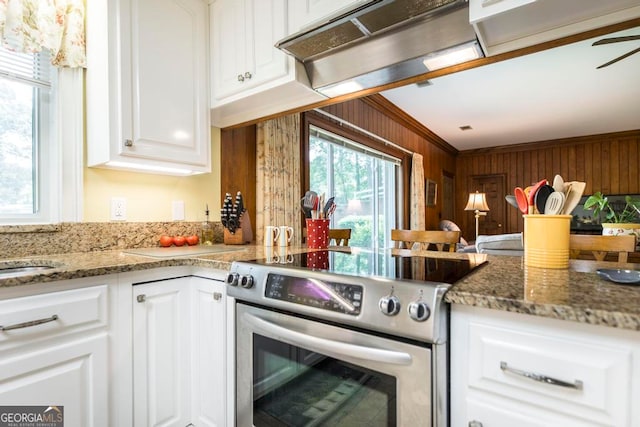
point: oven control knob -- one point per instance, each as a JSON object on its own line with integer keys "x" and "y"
{"x": 419, "y": 311}
{"x": 232, "y": 279}
{"x": 389, "y": 305}
{"x": 246, "y": 281}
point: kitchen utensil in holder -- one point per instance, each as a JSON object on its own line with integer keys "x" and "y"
{"x": 318, "y": 233}
{"x": 243, "y": 234}
{"x": 546, "y": 241}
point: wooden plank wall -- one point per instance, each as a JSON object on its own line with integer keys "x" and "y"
{"x": 378, "y": 116}
{"x": 607, "y": 163}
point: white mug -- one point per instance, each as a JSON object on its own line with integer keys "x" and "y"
{"x": 284, "y": 256}
{"x": 271, "y": 257}
{"x": 285, "y": 235}
{"x": 271, "y": 234}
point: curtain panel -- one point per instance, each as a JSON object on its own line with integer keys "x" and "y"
{"x": 29, "y": 26}
{"x": 278, "y": 176}
{"x": 418, "y": 220}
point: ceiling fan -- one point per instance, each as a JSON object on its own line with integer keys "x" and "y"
{"x": 616, "y": 40}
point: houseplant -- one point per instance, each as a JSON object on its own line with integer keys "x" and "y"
{"x": 625, "y": 221}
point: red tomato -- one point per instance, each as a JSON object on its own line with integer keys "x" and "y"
{"x": 179, "y": 240}
{"x": 166, "y": 241}
{"x": 192, "y": 240}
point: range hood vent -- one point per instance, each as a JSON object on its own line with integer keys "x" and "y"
{"x": 379, "y": 42}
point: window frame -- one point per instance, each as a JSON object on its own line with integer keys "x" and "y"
{"x": 311, "y": 118}
{"x": 60, "y": 153}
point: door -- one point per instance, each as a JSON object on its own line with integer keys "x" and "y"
{"x": 164, "y": 79}
{"x": 493, "y": 187}
{"x": 208, "y": 361}
{"x": 309, "y": 373}
{"x": 448, "y": 191}
{"x": 161, "y": 353}
{"x": 72, "y": 377}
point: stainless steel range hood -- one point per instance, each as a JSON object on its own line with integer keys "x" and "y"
{"x": 380, "y": 41}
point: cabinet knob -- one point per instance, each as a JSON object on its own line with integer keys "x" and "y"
{"x": 240, "y": 78}
{"x": 247, "y": 75}
{"x": 475, "y": 423}
{"x": 128, "y": 143}
{"x": 217, "y": 296}
{"x": 141, "y": 298}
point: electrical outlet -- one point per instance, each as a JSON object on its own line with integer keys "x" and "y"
{"x": 118, "y": 209}
{"x": 177, "y": 209}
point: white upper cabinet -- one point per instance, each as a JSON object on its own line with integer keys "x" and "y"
{"x": 147, "y": 85}
{"x": 304, "y": 13}
{"x": 507, "y": 25}
{"x": 250, "y": 77}
{"x": 243, "y": 37}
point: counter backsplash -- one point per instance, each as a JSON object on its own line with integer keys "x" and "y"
{"x": 30, "y": 240}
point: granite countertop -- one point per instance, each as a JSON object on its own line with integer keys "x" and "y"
{"x": 503, "y": 283}
{"x": 576, "y": 294}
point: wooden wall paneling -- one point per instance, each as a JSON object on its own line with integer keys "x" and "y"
{"x": 632, "y": 166}
{"x": 607, "y": 163}
{"x": 613, "y": 171}
{"x": 623, "y": 154}
{"x": 238, "y": 166}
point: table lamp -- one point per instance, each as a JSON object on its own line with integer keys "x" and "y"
{"x": 477, "y": 203}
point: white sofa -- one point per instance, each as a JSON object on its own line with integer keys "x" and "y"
{"x": 500, "y": 244}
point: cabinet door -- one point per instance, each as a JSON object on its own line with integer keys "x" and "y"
{"x": 164, "y": 81}
{"x": 244, "y": 33}
{"x": 268, "y": 25}
{"x": 161, "y": 353}
{"x": 73, "y": 376}
{"x": 229, "y": 40}
{"x": 208, "y": 352}
{"x": 304, "y": 13}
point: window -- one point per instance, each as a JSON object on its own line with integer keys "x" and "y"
{"x": 364, "y": 182}
{"x": 28, "y": 151}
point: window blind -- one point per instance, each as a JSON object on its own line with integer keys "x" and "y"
{"x": 343, "y": 142}
{"x": 30, "y": 68}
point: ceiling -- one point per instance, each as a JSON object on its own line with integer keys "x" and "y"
{"x": 557, "y": 93}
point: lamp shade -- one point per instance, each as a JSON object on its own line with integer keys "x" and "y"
{"x": 477, "y": 202}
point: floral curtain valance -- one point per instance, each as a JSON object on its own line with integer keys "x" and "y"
{"x": 29, "y": 26}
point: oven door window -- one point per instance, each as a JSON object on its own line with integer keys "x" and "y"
{"x": 293, "y": 386}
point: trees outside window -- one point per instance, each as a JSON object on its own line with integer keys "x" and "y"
{"x": 363, "y": 182}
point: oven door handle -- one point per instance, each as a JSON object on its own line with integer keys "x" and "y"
{"x": 329, "y": 347}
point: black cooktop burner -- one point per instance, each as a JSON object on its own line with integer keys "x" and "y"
{"x": 373, "y": 263}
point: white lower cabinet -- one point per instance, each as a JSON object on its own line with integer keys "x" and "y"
{"x": 513, "y": 369}
{"x": 54, "y": 352}
{"x": 178, "y": 352}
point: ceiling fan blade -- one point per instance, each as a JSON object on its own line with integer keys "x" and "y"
{"x": 615, "y": 40}
{"x": 619, "y": 58}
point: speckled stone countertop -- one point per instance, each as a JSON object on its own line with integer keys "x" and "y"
{"x": 576, "y": 294}
{"x": 504, "y": 283}
{"x": 98, "y": 263}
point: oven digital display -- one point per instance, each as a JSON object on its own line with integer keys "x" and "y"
{"x": 339, "y": 297}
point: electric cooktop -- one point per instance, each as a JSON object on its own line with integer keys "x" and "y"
{"x": 365, "y": 262}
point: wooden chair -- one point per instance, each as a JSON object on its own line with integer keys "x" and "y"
{"x": 405, "y": 239}
{"x": 340, "y": 236}
{"x": 599, "y": 246}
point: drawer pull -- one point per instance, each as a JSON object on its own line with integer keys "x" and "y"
{"x": 577, "y": 384}
{"x": 29, "y": 323}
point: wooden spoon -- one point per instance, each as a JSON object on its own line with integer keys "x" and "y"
{"x": 532, "y": 195}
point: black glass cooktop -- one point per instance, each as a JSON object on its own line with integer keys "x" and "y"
{"x": 360, "y": 262}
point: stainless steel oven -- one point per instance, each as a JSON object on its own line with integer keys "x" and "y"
{"x": 335, "y": 346}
